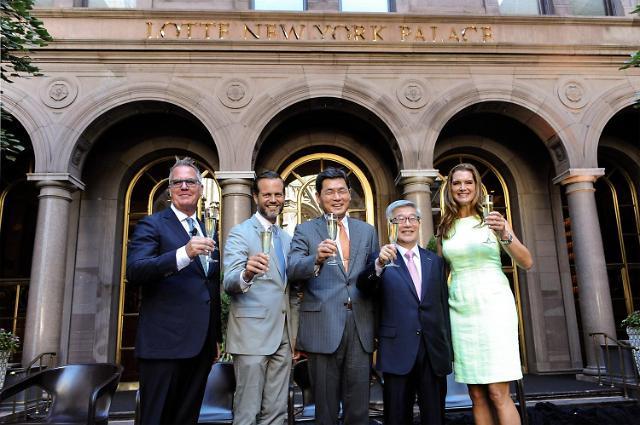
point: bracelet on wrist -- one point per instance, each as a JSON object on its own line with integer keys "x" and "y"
{"x": 508, "y": 240}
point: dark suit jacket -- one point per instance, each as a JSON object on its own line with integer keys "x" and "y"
{"x": 323, "y": 314}
{"x": 405, "y": 320}
{"x": 176, "y": 306}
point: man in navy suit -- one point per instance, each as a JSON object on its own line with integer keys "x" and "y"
{"x": 414, "y": 350}
{"x": 179, "y": 322}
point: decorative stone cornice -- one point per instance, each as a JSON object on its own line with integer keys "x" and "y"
{"x": 578, "y": 175}
{"x": 235, "y": 175}
{"x": 56, "y": 177}
{"x": 429, "y": 175}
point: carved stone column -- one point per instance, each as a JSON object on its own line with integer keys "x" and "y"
{"x": 596, "y": 309}
{"x": 46, "y": 289}
{"x": 416, "y": 187}
{"x": 236, "y": 198}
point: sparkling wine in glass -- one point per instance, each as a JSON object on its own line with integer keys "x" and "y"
{"x": 393, "y": 238}
{"x": 487, "y": 207}
{"x": 265, "y": 241}
{"x": 210, "y": 224}
{"x": 332, "y": 229}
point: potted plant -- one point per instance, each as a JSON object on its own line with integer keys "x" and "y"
{"x": 9, "y": 344}
{"x": 632, "y": 325}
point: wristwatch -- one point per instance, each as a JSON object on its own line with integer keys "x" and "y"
{"x": 507, "y": 241}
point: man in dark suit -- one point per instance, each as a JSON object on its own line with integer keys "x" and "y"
{"x": 336, "y": 319}
{"x": 179, "y": 322}
{"x": 415, "y": 351}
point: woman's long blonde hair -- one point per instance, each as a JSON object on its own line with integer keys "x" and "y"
{"x": 450, "y": 208}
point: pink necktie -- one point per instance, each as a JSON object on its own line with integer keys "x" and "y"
{"x": 414, "y": 273}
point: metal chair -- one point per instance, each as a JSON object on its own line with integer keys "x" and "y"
{"x": 217, "y": 403}
{"x": 301, "y": 377}
{"x": 80, "y": 394}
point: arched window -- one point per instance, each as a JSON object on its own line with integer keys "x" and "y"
{"x": 619, "y": 216}
{"x": 300, "y": 189}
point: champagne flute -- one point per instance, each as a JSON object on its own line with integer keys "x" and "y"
{"x": 210, "y": 224}
{"x": 332, "y": 229}
{"x": 392, "y": 228}
{"x": 487, "y": 207}
{"x": 265, "y": 241}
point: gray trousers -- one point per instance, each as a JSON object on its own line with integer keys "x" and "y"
{"x": 342, "y": 376}
{"x": 262, "y": 386}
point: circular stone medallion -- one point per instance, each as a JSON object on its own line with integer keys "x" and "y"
{"x": 412, "y": 94}
{"x": 234, "y": 93}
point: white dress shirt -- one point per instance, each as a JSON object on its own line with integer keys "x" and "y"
{"x": 182, "y": 259}
{"x": 266, "y": 224}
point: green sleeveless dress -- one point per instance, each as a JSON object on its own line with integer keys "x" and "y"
{"x": 484, "y": 321}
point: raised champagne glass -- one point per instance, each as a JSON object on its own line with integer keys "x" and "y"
{"x": 392, "y": 228}
{"x": 332, "y": 229}
{"x": 265, "y": 241}
{"x": 487, "y": 207}
{"x": 210, "y": 224}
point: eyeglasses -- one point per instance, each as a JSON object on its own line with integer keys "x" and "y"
{"x": 331, "y": 192}
{"x": 412, "y": 219}
{"x": 177, "y": 184}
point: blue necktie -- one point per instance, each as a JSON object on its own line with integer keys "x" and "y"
{"x": 193, "y": 232}
{"x": 277, "y": 244}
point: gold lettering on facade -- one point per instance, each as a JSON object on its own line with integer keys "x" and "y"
{"x": 463, "y": 33}
{"x": 188, "y": 25}
{"x": 250, "y": 31}
{"x": 487, "y": 34}
{"x": 346, "y": 28}
{"x": 295, "y": 32}
{"x": 376, "y": 30}
{"x": 178, "y": 28}
{"x": 404, "y": 32}
{"x": 271, "y": 31}
{"x": 207, "y": 25}
{"x": 453, "y": 35}
{"x": 326, "y": 30}
{"x": 223, "y": 29}
{"x": 292, "y": 30}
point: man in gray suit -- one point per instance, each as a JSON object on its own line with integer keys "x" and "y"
{"x": 259, "y": 333}
{"x": 336, "y": 319}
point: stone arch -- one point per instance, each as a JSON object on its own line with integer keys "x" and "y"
{"x": 29, "y": 113}
{"x": 356, "y": 92}
{"x": 525, "y": 103}
{"x": 601, "y": 111}
{"x": 82, "y": 127}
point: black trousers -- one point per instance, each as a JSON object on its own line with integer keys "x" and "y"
{"x": 400, "y": 392}
{"x": 171, "y": 390}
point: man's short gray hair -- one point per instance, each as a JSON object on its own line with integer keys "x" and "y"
{"x": 186, "y": 162}
{"x": 399, "y": 204}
